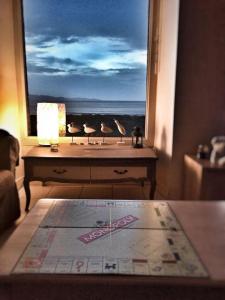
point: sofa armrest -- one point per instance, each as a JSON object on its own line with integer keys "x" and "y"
{"x": 9, "y": 199}
{"x": 9, "y": 153}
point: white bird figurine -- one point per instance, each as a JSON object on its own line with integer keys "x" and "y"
{"x": 121, "y": 129}
{"x": 105, "y": 129}
{"x": 72, "y": 128}
{"x": 88, "y": 130}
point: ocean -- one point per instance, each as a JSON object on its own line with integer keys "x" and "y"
{"x": 99, "y": 107}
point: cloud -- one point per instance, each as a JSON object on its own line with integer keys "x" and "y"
{"x": 90, "y": 56}
{"x": 115, "y": 18}
{"x": 43, "y": 69}
{"x": 69, "y": 40}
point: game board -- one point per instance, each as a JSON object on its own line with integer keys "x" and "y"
{"x": 101, "y": 213}
{"x": 110, "y": 237}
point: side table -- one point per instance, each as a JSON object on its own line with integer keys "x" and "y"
{"x": 203, "y": 180}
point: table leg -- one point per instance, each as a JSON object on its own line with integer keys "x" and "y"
{"x": 152, "y": 178}
{"x": 26, "y": 184}
{"x": 152, "y": 189}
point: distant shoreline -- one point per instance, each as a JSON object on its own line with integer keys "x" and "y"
{"x": 94, "y": 120}
{"x": 107, "y": 114}
{"x": 86, "y": 106}
{"x": 53, "y": 99}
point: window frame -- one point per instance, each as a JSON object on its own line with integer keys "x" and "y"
{"x": 151, "y": 77}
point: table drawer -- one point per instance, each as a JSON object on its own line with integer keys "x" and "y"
{"x": 61, "y": 172}
{"x": 98, "y": 173}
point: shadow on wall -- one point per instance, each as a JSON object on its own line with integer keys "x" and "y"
{"x": 163, "y": 166}
{"x": 163, "y": 140}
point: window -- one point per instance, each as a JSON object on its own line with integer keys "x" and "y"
{"x": 90, "y": 55}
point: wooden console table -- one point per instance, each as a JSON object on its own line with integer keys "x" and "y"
{"x": 89, "y": 164}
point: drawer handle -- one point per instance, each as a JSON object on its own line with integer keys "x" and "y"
{"x": 59, "y": 171}
{"x": 120, "y": 172}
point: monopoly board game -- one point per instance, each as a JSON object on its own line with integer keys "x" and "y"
{"x": 101, "y": 213}
{"x": 110, "y": 237}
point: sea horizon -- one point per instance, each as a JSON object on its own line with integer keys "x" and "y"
{"x": 77, "y": 106}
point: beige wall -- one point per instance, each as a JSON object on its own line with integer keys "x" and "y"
{"x": 200, "y": 85}
{"x": 12, "y": 116}
{"x": 186, "y": 115}
{"x": 197, "y": 113}
{"x": 165, "y": 94}
{"x": 9, "y": 108}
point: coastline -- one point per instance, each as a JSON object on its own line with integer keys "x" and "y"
{"x": 94, "y": 120}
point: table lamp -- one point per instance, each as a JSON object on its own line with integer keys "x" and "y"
{"x": 62, "y": 119}
{"x": 47, "y": 123}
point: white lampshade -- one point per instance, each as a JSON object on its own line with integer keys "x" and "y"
{"x": 62, "y": 119}
{"x": 47, "y": 123}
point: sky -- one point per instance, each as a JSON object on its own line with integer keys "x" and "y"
{"x": 87, "y": 48}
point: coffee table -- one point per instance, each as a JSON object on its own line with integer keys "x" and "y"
{"x": 205, "y": 232}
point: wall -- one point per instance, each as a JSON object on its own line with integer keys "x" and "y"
{"x": 200, "y": 87}
{"x": 193, "y": 116}
{"x": 199, "y": 111}
{"x": 9, "y": 113}
{"x": 165, "y": 91}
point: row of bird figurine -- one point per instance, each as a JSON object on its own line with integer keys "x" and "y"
{"x": 73, "y": 128}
